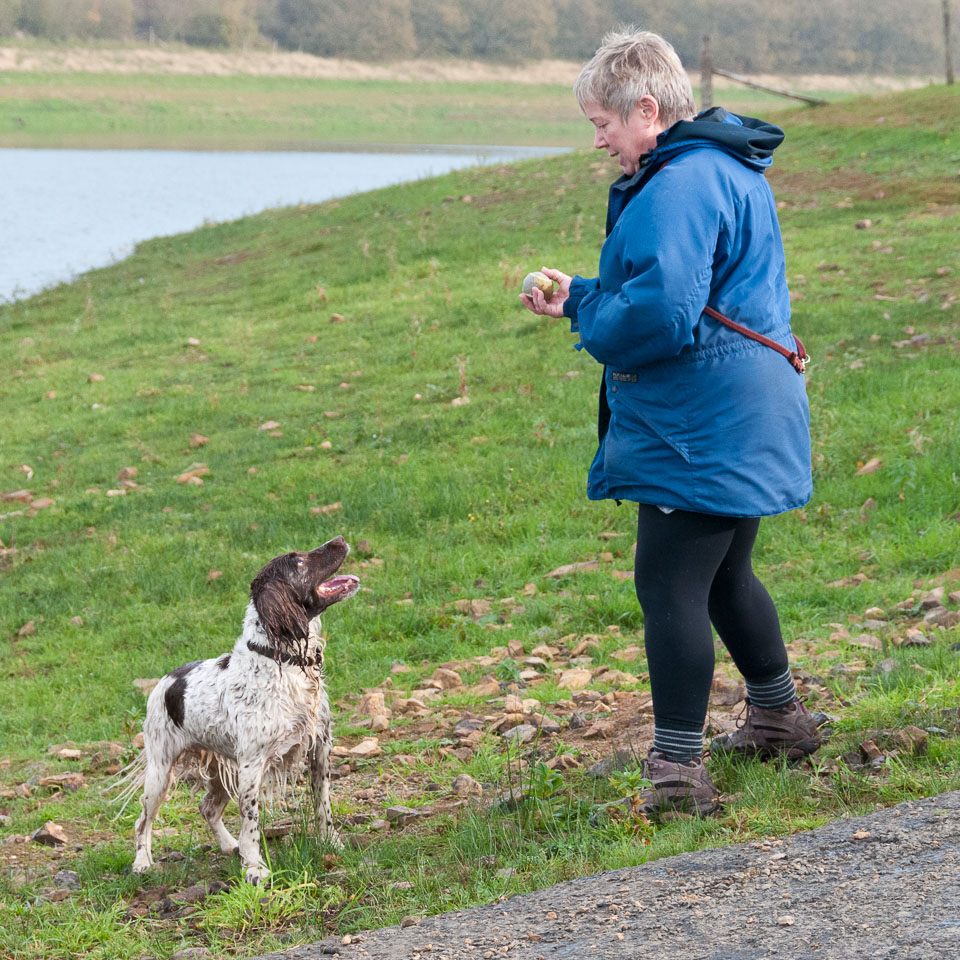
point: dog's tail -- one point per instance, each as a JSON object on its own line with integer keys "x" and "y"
{"x": 126, "y": 784}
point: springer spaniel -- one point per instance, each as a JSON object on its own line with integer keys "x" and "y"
{"x": 249, "y": 719}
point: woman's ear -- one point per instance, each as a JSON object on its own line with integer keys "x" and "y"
{"x": 282, "y": 616}
{"x": 649, "y": 109}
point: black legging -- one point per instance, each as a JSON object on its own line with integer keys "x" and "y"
{"x": 691, "y": 570}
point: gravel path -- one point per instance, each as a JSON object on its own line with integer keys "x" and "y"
{"x": 883, "y": 885}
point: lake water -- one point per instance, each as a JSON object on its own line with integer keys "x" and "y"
{"x": 66, "y": 211}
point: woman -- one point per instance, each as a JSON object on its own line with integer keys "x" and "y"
{"x": 706, "y": 428}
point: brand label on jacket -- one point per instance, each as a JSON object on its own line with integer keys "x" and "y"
{"x": 622, "y": 376}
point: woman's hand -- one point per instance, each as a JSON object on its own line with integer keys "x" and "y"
{"x": 536, "y": 303}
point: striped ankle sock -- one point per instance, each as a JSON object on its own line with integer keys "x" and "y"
{"x": 777, "y": 692}
{"x": 678, "y": 745}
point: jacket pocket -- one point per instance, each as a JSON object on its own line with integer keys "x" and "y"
{"x": 644, "y": 418}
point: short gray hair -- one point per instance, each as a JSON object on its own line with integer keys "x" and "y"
{"x": 631, "y": 64}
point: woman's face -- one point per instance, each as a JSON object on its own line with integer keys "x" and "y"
{"x": 630, "y": 140}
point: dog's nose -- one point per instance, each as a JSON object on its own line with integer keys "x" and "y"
{"x": 337, "y": 543}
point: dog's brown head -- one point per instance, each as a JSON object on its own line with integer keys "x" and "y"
{"x": 295, "y": 587}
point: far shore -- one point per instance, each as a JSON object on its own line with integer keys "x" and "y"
{"x": 182, "y": 98}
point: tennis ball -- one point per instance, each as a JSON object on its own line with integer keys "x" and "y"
{"x": 538, "y": 279}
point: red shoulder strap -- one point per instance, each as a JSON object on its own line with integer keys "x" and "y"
{"x": 797, "y": 358}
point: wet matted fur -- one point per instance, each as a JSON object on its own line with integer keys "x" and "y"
{"x": 250, "y": 719}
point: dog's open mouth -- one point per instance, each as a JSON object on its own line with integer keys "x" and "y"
{"x": 338, "y": 588}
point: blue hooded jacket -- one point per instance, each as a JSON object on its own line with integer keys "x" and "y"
{"x": 694, "y": 415}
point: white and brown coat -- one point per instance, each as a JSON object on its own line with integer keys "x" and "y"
{"x": 249, "y": 720}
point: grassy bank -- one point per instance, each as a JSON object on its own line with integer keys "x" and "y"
{"x": 353, "y": 326}
{"x": 164, "y": 111}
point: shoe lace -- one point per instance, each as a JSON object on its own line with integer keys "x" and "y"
{"x": 743, "y": 714}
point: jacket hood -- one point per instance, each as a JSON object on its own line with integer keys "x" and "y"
{"x": 750, "y": 140}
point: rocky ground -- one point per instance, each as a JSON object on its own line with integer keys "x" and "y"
{"x": 884, "y": 885}
{"x": 406, "y": 753}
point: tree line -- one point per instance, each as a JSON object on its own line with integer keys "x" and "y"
{"x": 777, "y": 36}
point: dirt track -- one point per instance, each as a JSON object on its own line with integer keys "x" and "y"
{"x": 260, "y": 63}
{"x": 883, "y": 885}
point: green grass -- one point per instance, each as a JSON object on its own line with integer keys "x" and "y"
{"x": 85, "y": 110}
{"x": 448, "y": 496}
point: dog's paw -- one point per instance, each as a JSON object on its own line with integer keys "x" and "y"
{"x": 333, "y": 838}
{"x": 141, "y": 865}
{"x": 228, "y": 845}
{"x": 256, "y": 874}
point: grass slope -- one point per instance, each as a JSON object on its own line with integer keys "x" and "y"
{"x": 389, "y": 306}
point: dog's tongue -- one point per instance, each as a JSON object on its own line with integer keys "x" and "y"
{"x": 337, "y": 588}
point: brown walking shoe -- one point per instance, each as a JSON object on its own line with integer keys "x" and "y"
{"x": 683, "y": 785}
{"x": 764, "y": 732}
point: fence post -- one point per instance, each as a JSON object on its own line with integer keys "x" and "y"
{"x": 706, "y": 75}
{"x": 946, "y": 40}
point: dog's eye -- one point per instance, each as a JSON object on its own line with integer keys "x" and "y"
{"x": 299, "y": 561}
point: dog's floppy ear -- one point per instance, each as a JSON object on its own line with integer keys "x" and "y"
{"x": 282, "y": 616}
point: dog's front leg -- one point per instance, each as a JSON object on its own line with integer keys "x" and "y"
{"x": 248, "y": 800}
{"x": 320, "y": 780}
